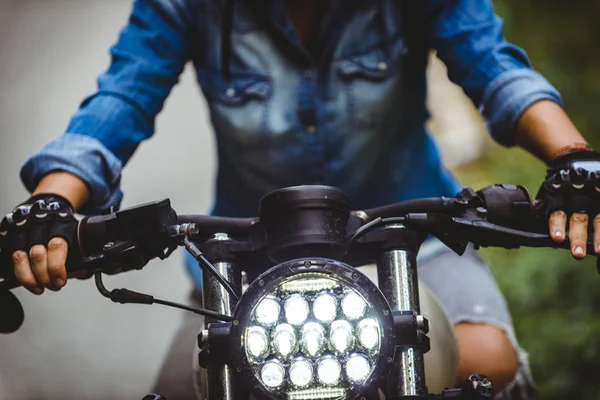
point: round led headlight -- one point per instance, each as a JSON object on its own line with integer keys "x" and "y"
{"x": 312, "y": 328}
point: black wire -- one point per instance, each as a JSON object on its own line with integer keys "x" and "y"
{"x": 366, "y": 227}
{"x": 125, "y": 296}
{"x": 100, "y": 285}
{"x": 207, "y": 265}
{"x": 437, "y": 205}
{"x": 376, "y": 223}
{"x": 199, "y": 311}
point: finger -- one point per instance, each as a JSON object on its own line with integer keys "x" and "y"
{"x": 578, "y": 226}
{"x": 24, "y": 274}
{"x": 596, "y": 224}
{"x": 38, "y": 259}
{"x": 57, "y": 257}
{"x": 558, "y": 226}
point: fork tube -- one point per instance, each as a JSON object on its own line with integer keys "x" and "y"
{"x": 398, "y": 280}
{"x": 221, "y": 379}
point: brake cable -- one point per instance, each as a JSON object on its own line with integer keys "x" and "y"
{"x": 209, "y": 267}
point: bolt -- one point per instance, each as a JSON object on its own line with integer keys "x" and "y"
{"x": 191, "y": 229}
{"x": 238, "y": 369}
{"x": 361, "y": 214}
{"x": 355, "y": 276}
{"x": 307, "y": 264}
{"x": 221, "y": 237}
{"x": 477, "y": 387}
{"x": 390, "y": 359}
{"x": 261, "y": 283}
{"x": 420, "y": 322}
{"x": 386, "y": 312}
{"x": 202, "y": 338}
{"x": 236, "y": 322}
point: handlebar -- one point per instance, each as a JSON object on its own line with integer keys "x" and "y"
{"x": 499, "y": 215}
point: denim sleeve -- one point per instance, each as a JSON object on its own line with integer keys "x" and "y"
{"x": 146, "y": 62}
{"x": 496, "y": 75}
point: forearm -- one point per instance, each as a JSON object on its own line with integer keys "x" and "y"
{"x": 66, "y": 185}
{"x": 544, "y": 129}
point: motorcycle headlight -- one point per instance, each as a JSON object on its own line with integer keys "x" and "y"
{"x": 313, "y": 329}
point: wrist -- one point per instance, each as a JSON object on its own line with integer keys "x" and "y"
{"x": 575, "y": 147}
{"x": 50, "y": 197}
{"x": 66, "y": 185}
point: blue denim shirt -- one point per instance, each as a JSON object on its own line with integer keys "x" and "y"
{"x": 353, "y": 119}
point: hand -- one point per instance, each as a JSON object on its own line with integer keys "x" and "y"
{"x": 37, "y": 234}
{"x": 571, "y": 194}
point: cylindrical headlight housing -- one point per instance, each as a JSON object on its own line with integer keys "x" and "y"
{"x": 328, "y": 328}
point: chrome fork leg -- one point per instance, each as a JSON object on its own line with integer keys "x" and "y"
{"x": 398, "y": 281}
{"x": 221, "y": 381}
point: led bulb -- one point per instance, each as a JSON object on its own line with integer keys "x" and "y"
{"x": 309, "y": 285}
{"x": 329, "y": 371}
{"x": 267, "y": 311}
{"x": 353, "y": 306}
{"x": 368, "y": 333}
{"x": 313, "y": 338}
{"x": 257, "y": 342}
{"x": 284, "y": 340}
{"x": 325, "y": 307}
{"x": 357, "y": 368}
{"x": 296, "y": 309}
{"x": 272, "y": 374}
{"x": 301, "y": 372}
{"x": 341, "y": 337}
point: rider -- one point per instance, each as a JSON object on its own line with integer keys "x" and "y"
{"x": 311, "y": 91}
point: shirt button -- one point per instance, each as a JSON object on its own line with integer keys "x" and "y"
{"x": 382, "y": 66}
{"x": 308, "y": 73}
{"x": 311, "y": 129}
{"x": 230, "y": 92}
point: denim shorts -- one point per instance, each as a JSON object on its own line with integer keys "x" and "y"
{"x": 468, "y": 292}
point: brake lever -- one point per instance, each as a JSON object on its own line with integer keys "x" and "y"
{"x": 457, "y": 231}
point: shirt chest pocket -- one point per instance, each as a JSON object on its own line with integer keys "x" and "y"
{"x": 239, "y": 107}
{"x": 371, "y": 84}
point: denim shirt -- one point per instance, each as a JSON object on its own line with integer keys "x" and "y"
{"x": 353, "y": 118}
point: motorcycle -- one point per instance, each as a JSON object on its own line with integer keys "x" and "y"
{"x": 308, "y": 324}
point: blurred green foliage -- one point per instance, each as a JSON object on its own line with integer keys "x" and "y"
{"x": 554, "y": 299}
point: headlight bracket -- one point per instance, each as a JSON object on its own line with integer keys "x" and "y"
{"x": 411, "y": 330}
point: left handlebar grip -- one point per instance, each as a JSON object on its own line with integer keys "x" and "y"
{"x": 74, "y": 263}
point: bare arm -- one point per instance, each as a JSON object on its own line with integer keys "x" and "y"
{"x": 544, "y": 130}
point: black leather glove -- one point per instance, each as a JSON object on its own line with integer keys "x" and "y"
{"x": 36, "y": 221}
{"x": 573, "y": 184}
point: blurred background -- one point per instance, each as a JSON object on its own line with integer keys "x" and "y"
{"x": 77, "y": 345}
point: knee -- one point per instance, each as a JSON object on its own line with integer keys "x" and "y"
{"x": 487, "y": 350}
